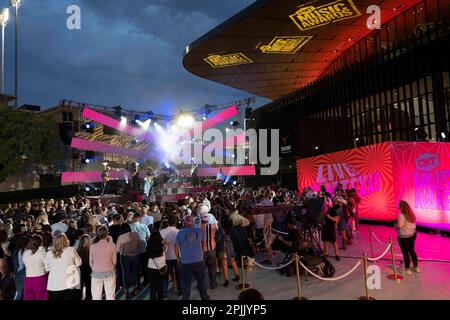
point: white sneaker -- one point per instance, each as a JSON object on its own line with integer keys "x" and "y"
{"x": 408, "y": 271}
{"x": 417, "y": 270}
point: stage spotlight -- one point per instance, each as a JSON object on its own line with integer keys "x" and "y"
{"x": 87, "y": 189}
{"x": 234, "y": 123}
{"x": 234, "y": 183}
{"x": 445, "y": 136}
{"x": 185, "y": 121}
{"x": 360, "y": 142}
{"x": 134, "y": 141}
{"x": 123, "y": 121}
{"x": 88, "y": 127}
{"x": 144, "y": 125}
{"x": 316, "y": 148}
{"x": 136, "y": 121}
{"x": 85, "y": 161}
{"x": 421, "y": 134}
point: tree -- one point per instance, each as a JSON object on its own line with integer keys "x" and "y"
{"x": 27, "y": 138}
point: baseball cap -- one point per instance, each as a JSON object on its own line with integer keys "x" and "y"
{"x": 203, "y": 209}
{"x": 187, "y": 219}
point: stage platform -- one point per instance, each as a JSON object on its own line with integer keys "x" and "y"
{"x": 173, "y": 194}
{"x": 432, "y": 283}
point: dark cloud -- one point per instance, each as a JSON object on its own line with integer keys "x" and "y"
{"x": 127, "y": 53}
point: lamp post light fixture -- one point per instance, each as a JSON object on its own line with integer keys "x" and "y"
{"x": 4, "y": 17}
{"x": 16, "y": 4}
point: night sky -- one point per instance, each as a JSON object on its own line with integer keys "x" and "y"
{"x": 127, "y": 53}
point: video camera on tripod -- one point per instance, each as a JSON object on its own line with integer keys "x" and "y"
{"x": 315, "y": 214}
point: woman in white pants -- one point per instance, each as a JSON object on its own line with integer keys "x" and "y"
{"x": 102, "y": 258}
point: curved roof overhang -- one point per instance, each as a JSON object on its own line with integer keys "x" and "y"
{"x": 275, "y": 46}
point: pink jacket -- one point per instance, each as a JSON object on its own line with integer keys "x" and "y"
{"x": 102, "y": 256}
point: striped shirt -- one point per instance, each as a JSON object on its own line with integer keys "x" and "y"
{"x": 209, "y": 230}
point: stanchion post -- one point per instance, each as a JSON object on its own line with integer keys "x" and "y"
{"x": 394, "y": 276}
{"x": 366, "y": 297}
{"x": 370, "y": 240}
{"x": 243, "y": 285}
{"x": 299, "y": 288}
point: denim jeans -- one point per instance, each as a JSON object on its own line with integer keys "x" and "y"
{"x": 130, "y": 271}
{"x": 19, "y": 280}
{"x": 196, "y": 270}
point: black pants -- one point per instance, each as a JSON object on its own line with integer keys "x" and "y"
{"x": 173, "y": 266}
{"x": 69, "y": 294}
{"x": 407, "y": 247}
{"x": 210, "y": 263}
{"x": 197, "y": 271}
{"x": 136, "y": 184}
{"x": 156, "y": 284}
{"x": 86, "y": 281}
{"x": 143, "y": 261}
{"x": 119, "y": 275}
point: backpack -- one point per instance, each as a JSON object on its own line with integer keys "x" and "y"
{"x": 328, "y": 270}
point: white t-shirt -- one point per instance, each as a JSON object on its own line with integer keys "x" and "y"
{"x": 34, "y": 263}
{"x": 170, "y": 235}
{"x": 63, "y": 272}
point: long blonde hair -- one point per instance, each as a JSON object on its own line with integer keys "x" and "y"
{"x": 406, "y": 210}
{"x": 60, "y": 242}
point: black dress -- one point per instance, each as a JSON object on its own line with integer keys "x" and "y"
{"x": 329, "y": 227}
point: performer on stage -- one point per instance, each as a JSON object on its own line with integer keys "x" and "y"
{"x": 134, "y": 172}
{"x": 195, "y": 180}
{"x": 220, "y": 176}
{"x": 105, "y": 180}
{"x": 148, "y": 182}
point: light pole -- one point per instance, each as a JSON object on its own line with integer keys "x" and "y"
{"x": 16, "y": 4}
{"x": 4, "y": 17}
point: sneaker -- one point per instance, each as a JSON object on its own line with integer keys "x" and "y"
{"x": 237, "y": 279}
{"x": 417, "y": 270}
{"x": 337, "y": 258}
{"x": 408, "y": 271}
{"x": 226, "y": 284}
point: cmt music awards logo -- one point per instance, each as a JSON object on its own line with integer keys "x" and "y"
{"x": 311, "y": 17}
{"x": 431, "y": 186}
{"x": 333, "y": 173}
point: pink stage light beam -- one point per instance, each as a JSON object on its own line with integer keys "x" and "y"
{"x": 107, "y": 148}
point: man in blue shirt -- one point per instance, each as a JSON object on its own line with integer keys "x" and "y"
{"x": 144, "y": 234}
{"x": 189, "y": 249}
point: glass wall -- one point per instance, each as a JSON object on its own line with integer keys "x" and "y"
{"x": 384, "y": 88}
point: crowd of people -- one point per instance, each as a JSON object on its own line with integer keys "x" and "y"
{"x": 82, "y": 249}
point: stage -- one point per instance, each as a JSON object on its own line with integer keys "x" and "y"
{"x": 432, "y": 283}
{"x": 169, "y": 194}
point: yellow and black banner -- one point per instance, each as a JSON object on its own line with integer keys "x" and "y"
{"x": 311, "y": 17}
